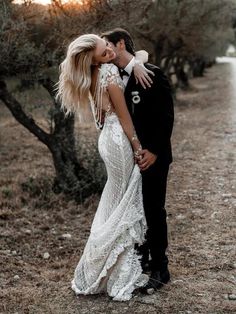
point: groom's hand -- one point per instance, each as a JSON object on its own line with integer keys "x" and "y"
{"x": 147, "y": 160}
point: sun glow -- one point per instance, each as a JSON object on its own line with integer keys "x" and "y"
{"x": 44, "y": 2}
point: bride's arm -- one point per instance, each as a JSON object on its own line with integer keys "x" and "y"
{"x": 118, "y": 100}
{"x": 142, "y": 56}
{"x": 140, "y": 72}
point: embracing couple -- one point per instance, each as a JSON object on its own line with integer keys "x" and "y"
{"x": 132, "y": 105}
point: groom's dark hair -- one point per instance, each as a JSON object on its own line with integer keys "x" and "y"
{"x": 116, "y": 34}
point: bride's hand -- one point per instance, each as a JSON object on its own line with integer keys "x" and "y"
{"x": 142, "y": 75}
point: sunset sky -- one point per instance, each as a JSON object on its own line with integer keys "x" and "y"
{"x": 39, "y": 1}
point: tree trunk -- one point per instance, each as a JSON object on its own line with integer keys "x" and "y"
{"x": 198, "y": 67}
{"x": 182, "y": 77}
{"x": 158, "y": 49}
{"x": 71, "y": 178}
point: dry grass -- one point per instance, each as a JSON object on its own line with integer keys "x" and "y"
{"x": 201, "y": 206}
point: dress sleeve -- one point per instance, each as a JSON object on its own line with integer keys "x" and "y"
{"x": 109, "y": 74}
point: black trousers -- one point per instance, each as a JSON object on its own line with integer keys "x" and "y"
{"x": 154, "y": 181}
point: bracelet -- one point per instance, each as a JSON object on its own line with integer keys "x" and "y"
{"x": 136, "y": 152}
{"x": 134, "y": 137}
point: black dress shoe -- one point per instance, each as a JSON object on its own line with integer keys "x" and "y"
{"x": 156, "y": 281}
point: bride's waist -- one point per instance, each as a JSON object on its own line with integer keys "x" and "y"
{"x": 112, "y": 124}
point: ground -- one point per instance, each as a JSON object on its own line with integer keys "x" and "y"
{"x": 201, "y": 206}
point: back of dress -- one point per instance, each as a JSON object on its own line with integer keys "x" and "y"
{"x": 100, "y": 101}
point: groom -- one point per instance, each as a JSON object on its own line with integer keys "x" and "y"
{"x": 152, "y": 113}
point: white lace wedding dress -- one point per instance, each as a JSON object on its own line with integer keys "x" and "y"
{"x": 109, "y": 262}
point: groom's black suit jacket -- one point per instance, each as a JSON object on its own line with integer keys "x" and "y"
{"x": 153, "y": 120}
{"x": 153, "y": 116}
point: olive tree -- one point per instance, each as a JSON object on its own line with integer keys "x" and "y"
{"x": 25, "y": 55}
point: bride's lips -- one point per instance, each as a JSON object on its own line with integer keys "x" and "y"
{"x": 113, "y": 55}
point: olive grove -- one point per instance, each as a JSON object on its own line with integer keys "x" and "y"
{"x": 183, "y": 37}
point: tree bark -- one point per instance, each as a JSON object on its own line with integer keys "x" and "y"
{"x": 16, "y": 109}
{"x": 182, "y": 77}
{"x": 198, "y": 67}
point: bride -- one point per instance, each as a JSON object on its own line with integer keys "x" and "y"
{"x": 109, "y": 262}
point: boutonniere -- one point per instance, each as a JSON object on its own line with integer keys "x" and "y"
{"x": 135, "y": 99}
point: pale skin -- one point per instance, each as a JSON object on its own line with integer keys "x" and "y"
{"x": 104, "y": 53}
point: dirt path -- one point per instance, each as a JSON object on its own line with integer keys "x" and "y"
{"x": 201, "y": 216}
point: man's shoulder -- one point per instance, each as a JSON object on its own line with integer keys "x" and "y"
{"x": 153, "y": 67}
{"x": 159, "y": 79}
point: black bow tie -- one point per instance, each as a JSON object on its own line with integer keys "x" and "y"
{"x": 123, "y": 73}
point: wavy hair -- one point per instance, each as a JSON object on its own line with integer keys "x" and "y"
{"x": 75, "y": 74}
{"x": 116, "y": 35}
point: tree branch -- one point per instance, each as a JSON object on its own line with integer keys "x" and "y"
{"x": 16, "y": 109}
{"x": 60, "y": 120}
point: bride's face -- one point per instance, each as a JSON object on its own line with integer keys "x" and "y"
{"x": 103, "y": 52}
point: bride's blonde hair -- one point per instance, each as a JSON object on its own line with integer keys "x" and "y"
{"x": 75, "y": 73}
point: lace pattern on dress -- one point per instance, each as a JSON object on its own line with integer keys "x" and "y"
{"x": 108, "y": 74}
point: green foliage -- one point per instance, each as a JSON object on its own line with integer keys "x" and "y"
{"x": 24, "y": 42}
{"x": 7, "y": 192}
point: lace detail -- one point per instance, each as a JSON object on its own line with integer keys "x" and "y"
{"x": 100, "y": 103}
{"x": 109, "y": 74}
{"x": 109, "y": 262}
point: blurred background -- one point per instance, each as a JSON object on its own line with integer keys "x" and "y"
{"x": 182, "y": 37}
{"x": 51, "y": 175}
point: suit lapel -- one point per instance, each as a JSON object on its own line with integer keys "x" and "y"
{"x": 130, "y": 85}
